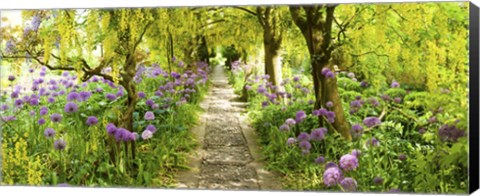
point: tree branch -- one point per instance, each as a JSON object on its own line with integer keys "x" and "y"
{"x": 245, "y": 10}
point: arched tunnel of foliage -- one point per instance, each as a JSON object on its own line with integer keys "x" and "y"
{"x": 345, "y": 97}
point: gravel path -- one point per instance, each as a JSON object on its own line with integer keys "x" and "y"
{"x": 228, "y": 156}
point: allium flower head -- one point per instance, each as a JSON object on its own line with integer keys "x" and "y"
{"x": 110, "y": 96}
{"x": 111, "y": 128}
{"x": 141, "y": 95}
{"x": 349, "y": 184}
{"x": 56, "y": 117}
{"x": 303, "y": 136}
{"x": 330, "y": 74}
{"x": 332, "y": 176}
{"x": 149, "y": 102}
{"x": 402, "y": 157}
{"x": 305, "y": 145}
{"x": 71, "y": 107}
{"x": 121, "y": 134}
{"x": 284, "y": 127}
{"x": 49, "y": 132}
{"x": 43, "y": 111}
{"x": 317, "y": 134}
{"x": 300, "y": 116}
{"x": 371, "y": 121}
{"x": 320, "y": 160}
{"x": 356, "y": 153}
{"x": 11, "y": 78}
{"x": 73, "y": 96}
{"x": 357, "y": 130}
{"x": 395, "y": 84}
{"x": 41, "y": 121}
{"x": 329, "y": 104}
{"x": 348, "y": 162}
{"x": 373, "y": 142}
{"x": 397, "y": 100}
{"x": 291, "y": 141}
{"x": 450, "y": 133}
{"x": 147, "y": 134}
{"x": 290, "y": 122}
{"x": 378, "y": 180}
{"x": 149, "y": 116}
{"x": 151, "y": 128}
{"x": 34, "y": 101}
{"x": 59, "y": 144}
{"x": 325, "y": 70}
{"x": 92, "y": 120}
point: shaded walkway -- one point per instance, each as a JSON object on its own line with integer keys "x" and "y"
{"x": 228, "y": 152}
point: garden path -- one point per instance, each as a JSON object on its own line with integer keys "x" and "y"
{"x": 228, "y": 155}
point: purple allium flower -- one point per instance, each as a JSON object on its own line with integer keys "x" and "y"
{"x": 291, "y": 141}
{"x": 371, "y": 121}
{"x": 330, "y": 164}
{"x": 332, "y": 176}
{"x": 43, "y": 111}
{"x": 364, "y": 84}
{"x": 395, "y": 84}
{"x": 32, "y": 113}
{"x": 397, "y": 100}
{"x": 290, "y": 122}
{"x": 59, "y": 144}
{"x": 11, "y": 78}
{"x": 149, "y": 102}
{"x": 149, "y": 116}
{"x": 450, "y": 133}
{"x": 432, "y": 119}
{"x": 378, "y": 180}
{"x": 348, "y": 162}
{"x": 141, "y": 95}
{"x": 151, "y": 128}
{"x": 85, "y": 95}
{"x": 373, "y": 142}
{"x": 42, "y": 73}
{"x": 49, "y": 132}
{"x": 305, "y": 145}
{"x": 303, "y": 136}
{"x": 422, "y": 130}
{"x": 356, "y": 104}
{"x": 111, "y": 128}
{"x": 99, "y": 90}
{"x": 296, "y": 78}
{"x": 33, "y": 101}
{"x": 121, "y": 134}
{"x": 374, "y": 102}
{"x": 9, "y": 118}
{"x": 310, "y": 102}
{"x": 349, "y": 184}
{"x": 329, "y": 75}
{"x": 4, "y": 107}
{"x": 284, "y": 127}
{"x": 317, "y": 134}
{"x": 320, "y": 160}
{"x": 402, "y": 157}
{"x": 41, "y": 121}
{"x": 92, "y": 120}
{"x": 325, "y": 70}
{"x": 73, "y": 96}
{"x": 56, "y": 117}
{"x": 120, "y": 93}
{"x": 329, "y": 104}
{"x": 357, "y": 130}
{"x": 110, "y": 96}
{"x": 265, "y": 104}
{"x": 14, "y": 94}
{"x": 71, "y": 107}
{"x": 300, "y": 116}
{"x": 147, "y": 134}
{"x": 330, "y": 114}
{"x": 385, "y": 97}
{"x": 356, "y": 153}
{"x": 261, "y": 89}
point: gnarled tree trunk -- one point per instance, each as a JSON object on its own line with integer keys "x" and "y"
{"x": 316, "y": 27}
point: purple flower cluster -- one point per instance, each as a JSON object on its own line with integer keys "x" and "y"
{"x": 348, "y": 162}
{"x": 371, "y": 121}
{"x": 450, "y": 133}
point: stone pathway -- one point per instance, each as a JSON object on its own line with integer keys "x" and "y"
{"x": 227, "y": 157}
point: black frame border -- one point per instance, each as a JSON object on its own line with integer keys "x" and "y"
{"x": 474, "y": 98}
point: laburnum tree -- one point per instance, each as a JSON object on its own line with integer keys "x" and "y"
{"x": 91, "y": 43}
{"x": 315, "y": 23}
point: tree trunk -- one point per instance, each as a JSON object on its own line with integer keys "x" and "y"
{"x": 128, "y": 84}
{"x": 317, "y": 33}
{"x": 273, "y": 63}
